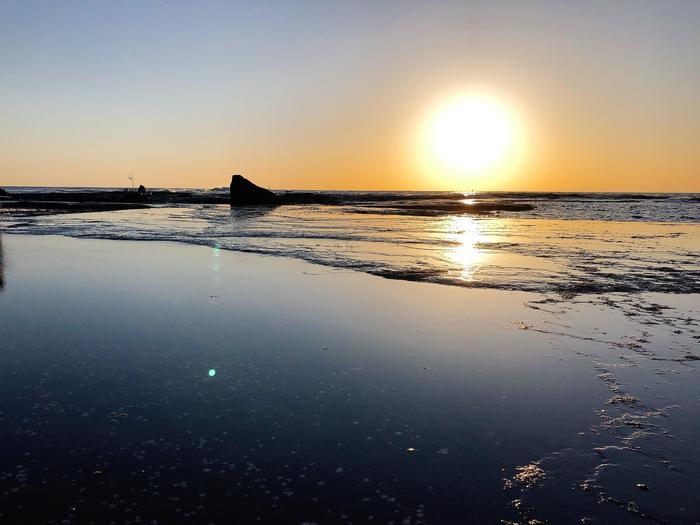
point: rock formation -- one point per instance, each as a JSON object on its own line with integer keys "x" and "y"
{"x": 245, "y": 193}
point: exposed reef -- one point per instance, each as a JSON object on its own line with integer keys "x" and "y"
{"x": 474, "y": 208}
{"x": 244, "y": 193}
{"x": 29, "y": 203}
{"x": 118, "y": 197}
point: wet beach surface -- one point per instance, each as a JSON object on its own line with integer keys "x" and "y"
{"x": 155, "y": 382}
{"x": 506, "y": 253}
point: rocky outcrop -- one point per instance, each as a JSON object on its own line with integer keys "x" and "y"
{"x": 245, "y": 193}
{"x": 124, "y": 196}
{"x": 3, "y": 193}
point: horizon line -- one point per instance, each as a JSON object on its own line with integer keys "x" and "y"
{"x": 641, "y": 192}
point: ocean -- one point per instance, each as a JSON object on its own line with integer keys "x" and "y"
{"x": 567, "y": 243}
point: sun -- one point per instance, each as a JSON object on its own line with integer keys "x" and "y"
{"x": 471, "y": 133}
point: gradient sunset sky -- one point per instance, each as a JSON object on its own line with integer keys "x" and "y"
{"x": 333, "y": 95}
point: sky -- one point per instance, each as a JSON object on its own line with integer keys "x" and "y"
{"x": 335, "y": 95}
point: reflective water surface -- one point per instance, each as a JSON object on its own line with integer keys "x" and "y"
{"x": 2, "y": 265}
{"x": 552, "y": 255}
{"x": 335, "y": 396}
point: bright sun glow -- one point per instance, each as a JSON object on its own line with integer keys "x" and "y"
{"x": 471, "y": 133}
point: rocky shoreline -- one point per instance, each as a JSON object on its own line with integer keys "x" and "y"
{"x": 243, "y": 193}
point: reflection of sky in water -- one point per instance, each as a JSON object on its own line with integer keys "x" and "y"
{"x": 307, "y": 393}
{"x": 2, "y": 265}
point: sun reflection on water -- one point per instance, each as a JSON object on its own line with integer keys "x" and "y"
{"x": 465, "y": 255}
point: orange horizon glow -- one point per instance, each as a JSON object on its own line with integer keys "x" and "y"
{"x": 581, "y": 98}
{"x": 397, "y": 160}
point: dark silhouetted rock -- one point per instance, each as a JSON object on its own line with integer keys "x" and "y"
{"x": 4, "y": 193}
{"x": 245, "y": 193}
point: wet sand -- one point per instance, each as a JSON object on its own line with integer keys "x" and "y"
{"x": 156, "y": 381}
{"x": 505, "y": 253}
